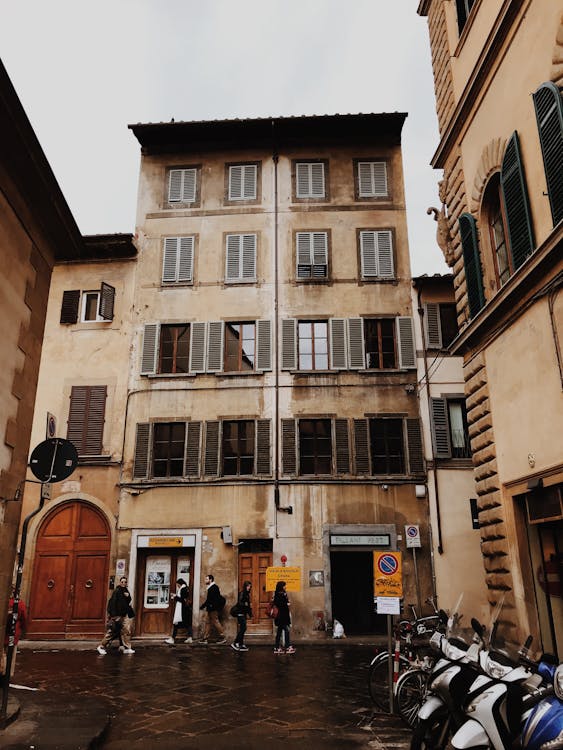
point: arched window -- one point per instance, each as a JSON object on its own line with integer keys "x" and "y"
{"x": 495, "y": 220}
{"x": 472, "y": 263}
{"x": 549, "y": 114}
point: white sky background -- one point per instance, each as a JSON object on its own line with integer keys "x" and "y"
{"x": 84, "y": 71}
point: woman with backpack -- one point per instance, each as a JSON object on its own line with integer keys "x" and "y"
{"x": 243, "y": 609}
{"x": 283, "y": 620}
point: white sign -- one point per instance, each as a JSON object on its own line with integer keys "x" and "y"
{"x": 119, "y": 568}
{"x": 412, "y": 535}
{"x": 388, "y": 605}
{"x": 367, "y": 540}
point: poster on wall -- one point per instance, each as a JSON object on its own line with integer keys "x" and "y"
{"x": 157, "y": 582}
{"x": 183, "y": 569}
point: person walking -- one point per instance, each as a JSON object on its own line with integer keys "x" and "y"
{"x": 120, "y": 622}
{"x": 283, "y": 620}
{"x": 213, "y": 604}
{"x": 182, "y": 612}
{"x": 243, "y": 610}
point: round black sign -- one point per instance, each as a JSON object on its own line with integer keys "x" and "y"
{"x": 53, "y": 460}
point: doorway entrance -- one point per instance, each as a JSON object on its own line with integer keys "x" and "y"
{"x": 252, "y": 564}
{"x": 69, "y": 585}
{"x": 351, "y": 588}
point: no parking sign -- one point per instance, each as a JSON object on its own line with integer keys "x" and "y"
{"x": 412, "y": 535}
{"x": 387, "y": 574}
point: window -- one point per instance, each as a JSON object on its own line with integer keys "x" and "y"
{"x": 178, "y": 260}
{"x": 449, "y": 428}
{"x": 472, "y": 263}
{"x": 493, "y": 213}
{"x": 312, "y": 343}
{"x": 240, "y": 258}
{"x": 182, "y": 185}
{"x": 312, "y": 255}
{"x": 310, "y": 180}
{"x": 315, "y": 447}
{"x": 168, "y": 449}
{"x": 242, "y": 182}
{"x": 386, "y": 446}
{"x": 440, "y": 324}
{"x": 376, "y": 254}
{"x": 463, "y": 11}
{"x": 238, "y": 448}
{"x": 86, "y": 418}
{"x": 174, "y": 355}
{"x": 93, "y": 306}
{"x": 240, "y": 346}
{"x": 379, "y": 336}
{"x": 371, "y": 179}
{"x": 549, "y": 115}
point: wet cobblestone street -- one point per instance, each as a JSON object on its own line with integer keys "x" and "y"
{"x": 212, "y": 697}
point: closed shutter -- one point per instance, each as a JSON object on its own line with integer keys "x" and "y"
{"x": 414, "y": 443}
{"x": 215, "y": 339}
{"x": 264, "y": 345}
{"x": 361, "y": 446}
{"x": 249, "y": 257}
{"x": 320, "y": 255}
{"x": 177, "y": 264}
{"x": 150, "y": 349}
{"x": 69, "y": 306}
{"x": 262, "y": 452}
{"x": 241, "y": 257}
{"x": 342, "y": 440}
{"x": 182, "y": 186}
{"x": 193, "y": 449}
{"x": 432, "y": 327}
{"x": 289, "y": 344}
{"x": 242, "y": 182}
{"x": 549, "y": 114}
{"x": 142, "y": 449}
{"x": 234, "y": 242}
{"x": 107, "y": 298}
{"x": 376, "y": 254}
{"x": 289, "y": 445}
{"x": 77, "y": 425}
{"x": 212, "y": 448}
{"x": 317, "y": 180}
{"x": 310, "y": 180}
{"x": 372, "y": 179}
{"x": 515, "y": 200}
{"x": 96, "y": 414}
{"x": 197, "y": 347}
{"x": 440, "y": 428}
{"x": 356, "y": 359}
{"x": 304, "y": 255}
{"x": 472, "y": 263}
{"x": 338, "y": 359}
{"x": 405, "y": 338}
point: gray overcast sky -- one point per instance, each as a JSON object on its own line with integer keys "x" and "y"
{"x": 84, "y": 71}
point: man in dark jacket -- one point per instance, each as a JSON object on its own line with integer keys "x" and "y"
{"x": 213, "y": 604}
{"x": 120, "y": 619}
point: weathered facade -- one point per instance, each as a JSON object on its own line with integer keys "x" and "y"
{"x": 501, "y": 136}
{"x": 270, "y": 416}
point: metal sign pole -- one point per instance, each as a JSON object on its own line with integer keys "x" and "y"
{"x": 390, "y": 659}
{"x": 417, "y": 583}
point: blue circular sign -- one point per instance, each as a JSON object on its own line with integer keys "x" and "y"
{"x": 388, "y": 564}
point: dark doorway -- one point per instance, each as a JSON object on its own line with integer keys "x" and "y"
{"x": 351, "y": 575}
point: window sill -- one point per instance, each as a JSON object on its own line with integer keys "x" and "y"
{"x": 238, "y": 373}
{"x": 315, "y": 372}
{"x": 176, "y": 284}
{"x": 381, "y": 371}
{"x": 232, "y": 282}
{"x": 171, "y": 375}
{"x": 94, "y": 459}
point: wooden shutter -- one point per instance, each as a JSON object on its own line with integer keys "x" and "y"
{"x": 515, "y": 200}
{"x": 385, "y": 255}
{"x": 376, "y": 254}
{"x": 338, "y": 359}
{"x": 215, "y": 341}
{"x": 142, "y": 450}
{"x": 317, "y": 180}
{"x": 342, "y": 441}
{"x": 242, "y": 182}
{"x": 212, "y": 448}
{"x": 356, "y": 358}
{"x": 262, "y": 451}
{"x": 232, "y": 271}
{"x": 320, "y": 255}
{"x": 432, "y": 327}
{"x": 235, "y": 183}
{"x": 182, "y": 186}
{"x": 78, "y": 417}
{"x": 440, "y": 428}
{"x": 289, "y": 344}
{"x": 248, "y": 256}
{"x": 304, "y": 254}
{"x": 69, "y": 307}
{"x": 193, "y": 449}
{"x": 289, "y": 445}
{"x": 472, "y": 263}
{"x": 198, "y": 339}
{"x": 177, "y": 264}
{"x": 107, "y": 298}
{"x": 549, "y": 115}
{"x": 263, "y": 345}
{"x": 414, "y": 443}
{"x": 361, "y": 446}
{"x": 150, "y": 349}
{"x": 405, "y": 340}
{"x": 372, "y": 179}
{"x": 310, "y": 180}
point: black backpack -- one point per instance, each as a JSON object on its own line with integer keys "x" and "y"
{"x": 221, "y": 601}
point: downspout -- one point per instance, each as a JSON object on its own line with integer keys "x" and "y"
{"x": 275, "y": 159}
{"x": 440, "y": 546}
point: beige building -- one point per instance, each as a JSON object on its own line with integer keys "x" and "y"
{"x": 501, "y": 136}
{"x": 270, "y": 415}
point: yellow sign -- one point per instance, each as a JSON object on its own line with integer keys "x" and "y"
{"x": 387, "y": 574}
{"x": 291, "y": 575}
{"x": 165, "y": 541}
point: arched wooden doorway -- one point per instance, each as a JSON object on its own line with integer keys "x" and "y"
{"x": 69, "y": 587}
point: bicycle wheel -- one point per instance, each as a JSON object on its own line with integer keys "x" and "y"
{"x": 410, "y": 692}
{"x": 433, "y": 733}
{"x": 378, "y": 679}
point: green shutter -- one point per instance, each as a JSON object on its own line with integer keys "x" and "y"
{"x": 472, "y": 263}
{"x": 549, "y": 114}
{"x": 515, "y": 200}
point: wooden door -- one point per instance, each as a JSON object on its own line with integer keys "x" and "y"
{"x": 252, "y": 567}
{"x": 158, "y": 570}
{"x": 69, "y": 587}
